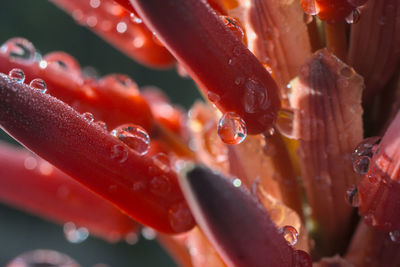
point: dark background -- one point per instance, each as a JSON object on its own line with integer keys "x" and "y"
{"x": 49, "y": 29}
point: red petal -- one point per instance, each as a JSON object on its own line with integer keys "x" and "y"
{"x": 379, "y": 189}
{"x": 134, "y": 39}
{"x": 92, "y": 156}
{"x": 215, "y": 58}
{"x": 235, "y": 223}
{"x": 35, "y": 186}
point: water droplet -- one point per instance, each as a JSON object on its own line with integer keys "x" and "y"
{"x": 353, "y": 17}
{"x": 102, "y": 125}
{"x": 231, "y": 129}
{"x": 62, "y": 61}
{"x": 347, "y": 72}
{"x": 363, "y": 153}
{"x": 88, "y": 117}
{"x": 95, "y": 3}
{"x": 119, "y": 81}
{"x": 237, "y": 182}
{"x": 255, "y": 98}
{"x": 43, "y": 257}
{"x": 38, "y": 84}
{"x": 290, "y": 234}
{"x": 161, "y": 160}
{"x": 310, "y": 7}
{"x": 136, "y": 19}
{"x": 234, "y": 26}
{"x": 19, "y": 49}
{"x": 284, "y": 122}
{"x": 395, "y": 236}
{"x": 160, "y": 185}
{"x": 74, "y": 234}
{"x": 30, "y": 163}
{"x": 17, "y": 75}
{"x": 307, "y": 18}
{"x": 213, "y": 97}
{"x": 180, "y": 217}
{"x": 132, "y": 238}
{"x": 352, "y": 196}
{"x": 268, "y": 68}
{"x": 302, "y": 259}
{"x": 134, "y": 136}
{"x": 119, "y": 153}
{"x": 149, "y": 233}
{"x": 91, "y": 21}
{"x": 121, "y": 27}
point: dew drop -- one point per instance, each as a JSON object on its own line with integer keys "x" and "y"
{"x": 302, "y": 259}
{"x": 119, "y": 153}
{"x": 353, "y": 17}
{"x": 75, "y": 234}
{"x": 91, "y": 21}
{"x": 119, "y": 81}
{"x": 234, "y": 26}
{"x": 290, "y": 234}
{"x": 62, "y": 61}
{"x": 160, "y": 186}
{"x": 352, "y": 196}
{"x": 134, "y": 136}
{"x": 17, "y": 75}
{"x": 19, "y": 49}
{"x": 121, "y": 27}
{"x": 88, "y": 117}
{"x": 161, "y": 160}
{"x": 255, "y": 98}
{"x": 102, "y": 125}
{"x": 136, "y": 19}
{"x": 30, "y": 163}
{"x": 284, "y": 122}
{"x": 132, "y": 238}
{"x": 213, "y": 97}
{"x": 347, "y": 72}
{"x": 237, "y": 182}
{"x": 180, "y": 217}
{"x": 231, "y": 129}
{"x": 395, "y": 236}
{"x": 95, "y": 3}
{"x": 363, "y": 153}
{"x": 268, "y": 68}
{"x": 38, "y": 84}
{"x": 149, "y": 233}
{"x": 43, "y": 258}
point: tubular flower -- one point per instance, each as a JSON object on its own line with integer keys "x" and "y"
{"x": 280, "y": 165}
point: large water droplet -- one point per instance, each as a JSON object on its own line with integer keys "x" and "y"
{"x": 290, "y": 234}
{"x": 75, "y": 234}
{"x": 363, "y": 153}
{"x": 134, "y": 136}
{"x": 352, "y": 196}
{"x": 284, "y": 122}
{"x": 353, "y": 17}
{"x": 119, "y": 81}
{"x": 42, "y": 258}
{"x": 17, "y": 75}
{"x": 255, "y": 98}
{"x": 180, "y": 217}
{"x": 119, "y": 153}
{"x": 234, "y": 26}
{"x": 395, "y": 236}
{"x": 19, "y": 49}
{"x": 38, "y": 84}
{"x": 161, "y": 160}
{"x": 62, "y": 61}
{"x": 231, "y": 129}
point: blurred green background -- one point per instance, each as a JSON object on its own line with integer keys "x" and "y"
{"x": 50, "y": 29}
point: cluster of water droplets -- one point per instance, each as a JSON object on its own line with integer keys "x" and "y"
{"x": 290, "y": 234}
{"x": 363, "y": 153}
{"x": 232, "y": 128}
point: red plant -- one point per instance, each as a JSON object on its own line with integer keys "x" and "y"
{"x": 273, "y": 198}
